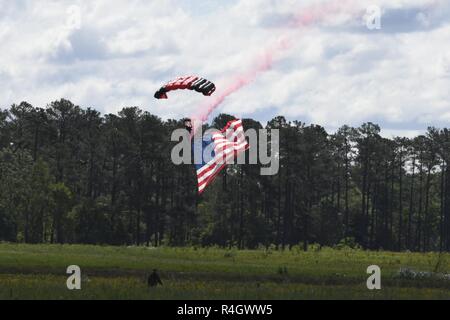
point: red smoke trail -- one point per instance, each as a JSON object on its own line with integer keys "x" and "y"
{"x": 305, "y": 18}
{"x": 264, "y": 63}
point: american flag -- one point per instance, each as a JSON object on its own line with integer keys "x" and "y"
{"x": 223, "y": 146}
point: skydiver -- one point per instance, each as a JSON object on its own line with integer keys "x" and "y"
{"x": 188, "y": 125}
{"x": 154, "y": 280}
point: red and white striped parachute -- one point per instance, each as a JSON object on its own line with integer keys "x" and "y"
{"x": 191, "y": 83}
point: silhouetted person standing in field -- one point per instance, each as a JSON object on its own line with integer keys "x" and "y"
{"x": 154, "y": 279}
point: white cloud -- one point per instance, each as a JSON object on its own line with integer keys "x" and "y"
{"x": 119, "y": 52}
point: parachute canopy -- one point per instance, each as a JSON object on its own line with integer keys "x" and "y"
{"x": 191, "y": 83}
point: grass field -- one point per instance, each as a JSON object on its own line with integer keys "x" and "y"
{"x": 39, "y": 272}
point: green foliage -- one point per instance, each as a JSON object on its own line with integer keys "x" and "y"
{"x": 73, "y": 175}
{"x": 347, "y": 243}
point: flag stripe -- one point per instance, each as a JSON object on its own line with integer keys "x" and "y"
{"x": 220, "y": 155}
{"x": 219, "y": 160}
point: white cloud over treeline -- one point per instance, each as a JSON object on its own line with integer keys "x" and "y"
{"x": 108, "y": 54}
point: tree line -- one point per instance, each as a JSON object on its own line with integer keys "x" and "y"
{"x": 72, "y": 175}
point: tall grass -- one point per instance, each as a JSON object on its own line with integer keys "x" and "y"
{"x": 38, "y": 271}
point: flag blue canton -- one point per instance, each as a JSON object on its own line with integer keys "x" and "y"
{"x": 207, "y": 143}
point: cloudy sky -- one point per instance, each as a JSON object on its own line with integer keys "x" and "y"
{"x": 108, "y": 54}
